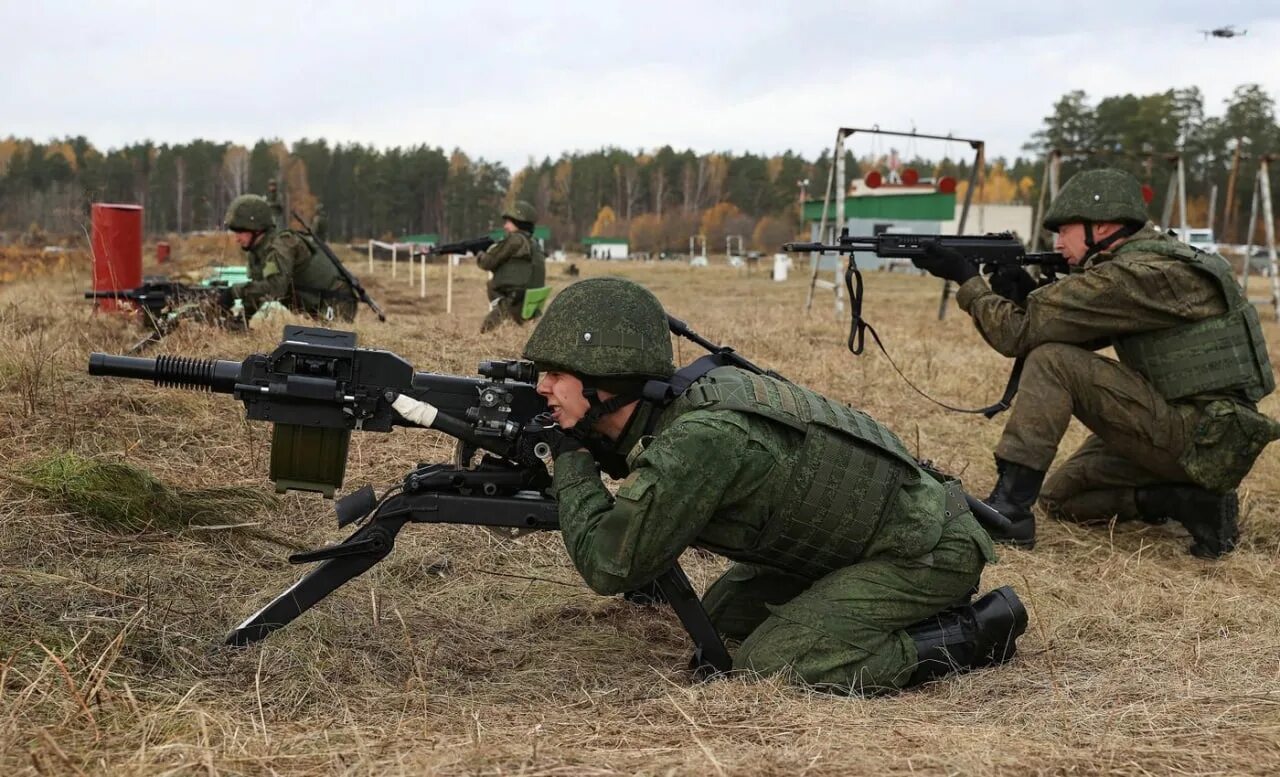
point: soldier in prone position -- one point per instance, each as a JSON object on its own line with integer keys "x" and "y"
{"x": 517, "y": 263}
{"x": 1174, "y": 420}
{"x": 284, "y": 267}
{"x": 855, "y": 566}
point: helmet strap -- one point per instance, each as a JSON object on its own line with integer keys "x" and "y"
{"x": 597, "y": 409}
{"x": 1096, "y": 247}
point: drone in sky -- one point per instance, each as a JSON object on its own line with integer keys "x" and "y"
{"x": 1228, "y": 31}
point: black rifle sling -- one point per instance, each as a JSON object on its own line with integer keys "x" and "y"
{"x": 859, "y": 326}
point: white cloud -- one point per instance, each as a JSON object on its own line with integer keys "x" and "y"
{"x": 510, "y": 83}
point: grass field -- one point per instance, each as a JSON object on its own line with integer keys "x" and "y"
{"x": 464, "y": 654}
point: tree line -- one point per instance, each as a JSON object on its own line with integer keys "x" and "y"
{"x": 656, "y": 198}
{"x": 1140, "y": 133}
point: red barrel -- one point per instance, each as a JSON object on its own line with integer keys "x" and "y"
{"x": 117, "y": 249}
{"x": 162, "y": 252}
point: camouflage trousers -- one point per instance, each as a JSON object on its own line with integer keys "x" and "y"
{"x": 845, "y": 631}
{"x": 1138, "y": 438}
{"x": 503, "y": 307}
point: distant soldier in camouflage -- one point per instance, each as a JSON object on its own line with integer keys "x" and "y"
{"x": 1174, "y": 420}
{"x": 320, "y": 223}
{"x": 855, "y": 565}
{"x": 277, "y": 205}
{"x": 284, "y": 266}
{"x": 517, "y": 263}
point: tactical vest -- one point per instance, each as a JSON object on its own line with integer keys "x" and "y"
{"x": 317, "y": 275}
{"x": 1220, "y": 354}
{"x": 522, "y": 271}
{"x": 845, "y": 480}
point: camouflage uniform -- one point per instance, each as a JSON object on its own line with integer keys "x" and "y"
{"x": 1178, "y": 406}
{"x": 320, "y": 223}
{"x": 842, "y": 541}
{"x": 517, "y": 263}
{"x": 276, "y": 205}
{"x": 284, "y": 267}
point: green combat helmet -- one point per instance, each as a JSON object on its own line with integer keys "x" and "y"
{"x": 603, "y": 328}
{"x": 249, "y": 213}
{"x": 521, "y": 211}
{"x": 1095, "y": 196}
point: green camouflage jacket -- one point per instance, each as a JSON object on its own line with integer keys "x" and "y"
{"x": 1112, "y": 297}
{"x": 717, "y": 479}
{"x": 282, "y": 267}
{"x": 517, "y": 263}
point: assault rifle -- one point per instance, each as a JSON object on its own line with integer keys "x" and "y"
{"x": 164, "y": 304}
{"x": 317, "y": 387}
{"x": 990, "y": 252}
{"x": 473, "y": 246}
{"x": 351, "y": 280}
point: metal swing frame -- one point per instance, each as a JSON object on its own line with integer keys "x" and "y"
{"x": 837, "y": 173}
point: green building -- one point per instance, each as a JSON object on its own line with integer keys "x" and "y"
{"x": 606, "y": 247}
{"x": 889, "y": 208}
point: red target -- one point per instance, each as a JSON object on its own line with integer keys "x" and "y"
{"x": 873, "y": 180}
{"x": 911, "y": 176}
{"x": 1148, "y": 194}
{"x": 947, "y": 185}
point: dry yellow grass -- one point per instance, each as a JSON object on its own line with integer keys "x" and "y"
{"x": 464, "y": 655}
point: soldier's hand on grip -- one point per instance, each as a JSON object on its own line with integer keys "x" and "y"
{"x": 1014, "y": 284}
{"x": 946, "y": 263}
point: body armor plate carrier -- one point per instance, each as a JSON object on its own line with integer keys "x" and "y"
{"x": 845, "y": 479}
{"x": 1223, "y": 354}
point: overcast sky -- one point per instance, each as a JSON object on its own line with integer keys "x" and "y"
{"x": 510, "y": 81}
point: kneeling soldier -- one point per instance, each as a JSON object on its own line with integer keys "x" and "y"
{"x": 1174, "y": 419}
{"x": 284, "y": 266}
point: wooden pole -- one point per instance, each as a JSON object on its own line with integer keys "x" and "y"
{"x": 977, "y": 177}
{"x": 842, "y": 191}
{"x": 1213, "y": 205}
{"x": 1269, "y": 229}
{"x": 1182, "y": 195}
{"x": 448, "y": 284}
{"x": 1252, "y": 228}
{"x": 1167, "y": 215}
{"x": 422, "y": 275}
{"x": 816, "y": 258}
{"x": 1228, "y": 213}
{"x": 371, "y": 257}
{"x": 1037, "y": 216}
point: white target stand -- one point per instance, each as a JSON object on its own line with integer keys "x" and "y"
{"x": 408, "y": 249}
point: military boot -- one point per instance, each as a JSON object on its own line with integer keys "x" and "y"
{"x": 1210, "y": 518}
{"x": 1016, "y": 490}
{"x": 968, "y": 637}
